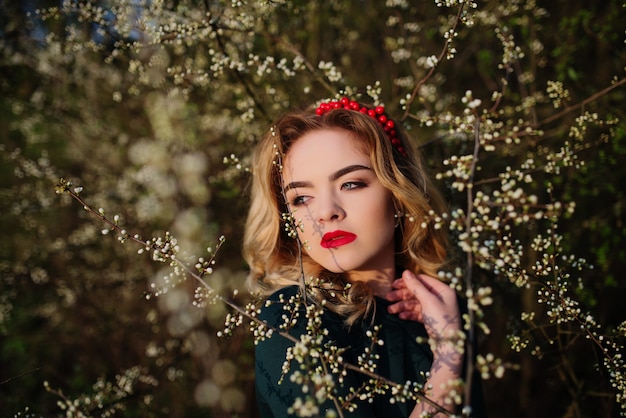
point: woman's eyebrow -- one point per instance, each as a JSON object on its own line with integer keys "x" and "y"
{"x": 346, "y": 170}
{"x": 296, "y": 184}
{"x": 334, "y": 176}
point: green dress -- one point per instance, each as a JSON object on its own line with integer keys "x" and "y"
{"x": 401, "y": 359}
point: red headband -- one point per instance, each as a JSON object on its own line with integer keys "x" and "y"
{"x": 378, "y": 113}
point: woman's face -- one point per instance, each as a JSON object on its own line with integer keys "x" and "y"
{"x": 347, "y": 216}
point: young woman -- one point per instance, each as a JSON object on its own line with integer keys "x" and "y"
{"x": 339, "y": 221}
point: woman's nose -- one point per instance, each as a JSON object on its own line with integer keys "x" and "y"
{"x": 329, "y": 208}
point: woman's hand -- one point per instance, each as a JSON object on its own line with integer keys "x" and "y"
{"x": 428, "y": 300}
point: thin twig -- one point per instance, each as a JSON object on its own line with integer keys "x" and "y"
{"x": 469, "y": 357}
{"x": 10, "y": 379}
{"x": 442, "y": 54}
{"x": 582, "y": 103}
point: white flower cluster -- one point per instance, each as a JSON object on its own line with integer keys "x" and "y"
{"x": 511, "y": 51}
{"x": 292, "y": 225}
{"x": 454, "y": 3}
{"x": 107, "y": 397}
{"x": 489, "y": 366}
{"x": 558, "y": 93}
{"x": 330, "y": 71}
{"x": 470, "y": 102}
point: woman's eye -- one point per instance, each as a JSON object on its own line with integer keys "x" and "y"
{"x": 350, "y": 185}
{"x": 299, "y": 200}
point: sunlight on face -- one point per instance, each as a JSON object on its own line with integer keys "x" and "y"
{"x": 346, "y": 213}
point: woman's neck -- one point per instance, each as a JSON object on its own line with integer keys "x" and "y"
{"x": 378, "y": 281}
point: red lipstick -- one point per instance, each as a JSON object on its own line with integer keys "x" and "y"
{"x": 336, "y": 239}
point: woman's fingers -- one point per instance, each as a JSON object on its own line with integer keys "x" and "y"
{"x": 406, "y": 306}
{"x": 403, "y": 307}
{"x": 398, "y": 284}
{"x": 433, "y": 285}
{"x": 436, "y": 304}
{"x": 425, "y": 299}
{"x": 399, "y": 294}
{"x": 420, "y": 286}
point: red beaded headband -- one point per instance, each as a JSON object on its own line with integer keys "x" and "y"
{"x": 378, "y": 113}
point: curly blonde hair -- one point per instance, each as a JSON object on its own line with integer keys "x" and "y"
{"x": 277, "y": 259}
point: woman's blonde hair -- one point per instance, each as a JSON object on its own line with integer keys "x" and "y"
{"x": 276, "y": 258}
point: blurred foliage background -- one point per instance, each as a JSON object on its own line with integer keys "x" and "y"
{"x": 152, "y": 107}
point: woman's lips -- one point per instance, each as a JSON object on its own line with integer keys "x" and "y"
{"x": 337, "y": 239}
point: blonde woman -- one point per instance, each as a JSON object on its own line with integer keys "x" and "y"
{"x": 339, "y": 220}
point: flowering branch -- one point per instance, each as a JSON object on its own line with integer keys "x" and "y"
{"x": 469, "y": 347}
{"x": 583, "y": 103}
{"x": 434, "y": 61}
